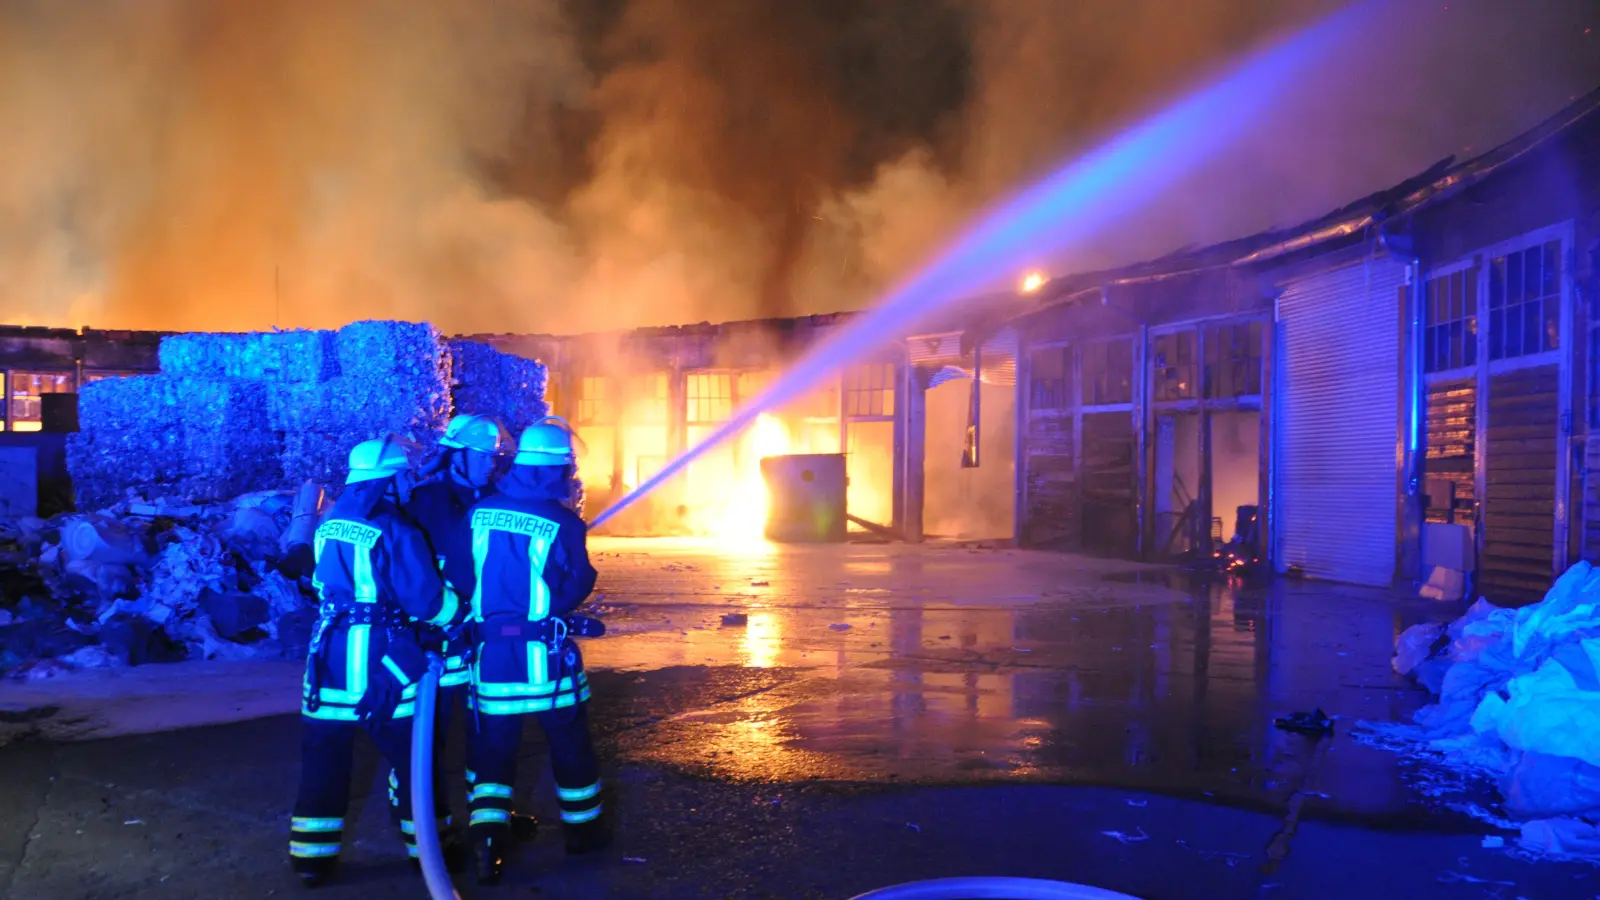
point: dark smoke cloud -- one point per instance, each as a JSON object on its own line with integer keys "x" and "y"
{"x": 540, "y": 165}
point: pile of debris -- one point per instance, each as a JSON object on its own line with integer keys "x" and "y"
{"x": 1518, "y": 702}
{"x": 147, "y": 582}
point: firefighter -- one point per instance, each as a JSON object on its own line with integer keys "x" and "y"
{"x": 473, "y": 448}
{"x": 374, "y": 573}
{"x": 532, "y": 571}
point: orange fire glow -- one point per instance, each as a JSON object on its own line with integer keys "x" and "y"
{"x": 739, "y": 515}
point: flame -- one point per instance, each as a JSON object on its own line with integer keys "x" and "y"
{"x": 741, "y": 517}
{"x": 1032, "y": 282}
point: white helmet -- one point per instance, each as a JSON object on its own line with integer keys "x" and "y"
{"x": 383, "y": 457}
{"x": 474, "y": 432}
{"x": 547, "y": 442}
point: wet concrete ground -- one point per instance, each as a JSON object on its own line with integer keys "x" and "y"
{"x": 885, "y": 713}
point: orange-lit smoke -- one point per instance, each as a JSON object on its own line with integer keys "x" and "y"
{"x": 550, "y": 166}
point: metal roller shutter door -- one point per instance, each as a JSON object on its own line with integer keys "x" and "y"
{"x": 1338, "y": 422}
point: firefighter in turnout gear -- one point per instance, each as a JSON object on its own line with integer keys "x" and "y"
{"x": 532, "y": 571}
{"x": 375, "y": 574}
{"x": 472, "y": 452}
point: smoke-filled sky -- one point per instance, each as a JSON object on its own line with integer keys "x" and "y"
{"x": 571, "y": 165}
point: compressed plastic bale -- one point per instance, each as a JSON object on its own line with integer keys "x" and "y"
{"x": 201, "y": 354}
{"x": 488, "y": 382}
{"x": 374, "y": 348}
{"x": 298, "y": 406}
{"x": 300, "y": 356}
{"x": 130, "y": 435}
{"x": 229, "y": 450}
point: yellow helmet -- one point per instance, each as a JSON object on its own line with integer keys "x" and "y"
{"x": 383, "y": 457}
{"x": 474, "y": 432}
{"x": 547, "y": 442}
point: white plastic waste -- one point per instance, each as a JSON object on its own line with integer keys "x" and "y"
{"x": 1518, "y": 697}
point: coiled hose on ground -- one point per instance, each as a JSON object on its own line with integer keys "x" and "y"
{"x": 991, "y": 889}
{"x": 429, "y": 852}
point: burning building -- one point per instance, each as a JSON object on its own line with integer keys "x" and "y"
{"x": 640, "y": 398}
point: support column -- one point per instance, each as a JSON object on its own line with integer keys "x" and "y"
{"x": 912, "y": 470}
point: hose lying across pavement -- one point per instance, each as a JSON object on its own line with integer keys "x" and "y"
{"x": 991, "y": 889}
{"x": 429, "y": 852}
{"x": 437, "y": 876}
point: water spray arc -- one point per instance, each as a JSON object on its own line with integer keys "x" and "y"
{"x": 1080, "y": 198}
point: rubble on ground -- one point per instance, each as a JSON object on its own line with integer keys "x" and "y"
{"x": 194, "y": 474}
{"x": 155, "y": 581}
{"x": 1518, "y": 702}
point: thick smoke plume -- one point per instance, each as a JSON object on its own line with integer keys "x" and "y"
{"x": 537, "y": 165}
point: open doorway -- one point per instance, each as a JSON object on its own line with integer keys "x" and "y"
{"x": 963, "y": 501}
{"x": 1235, "y": 474}
{"x": 1180, "y": 517}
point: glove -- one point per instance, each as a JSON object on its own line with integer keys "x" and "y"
{"x": 397, "y": 663}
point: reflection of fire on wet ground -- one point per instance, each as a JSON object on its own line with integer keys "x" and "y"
{"x": 928, "y": 664}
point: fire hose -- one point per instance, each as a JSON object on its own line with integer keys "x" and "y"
{"x": 429, "y": 852}
{"x": 991, "y": 889}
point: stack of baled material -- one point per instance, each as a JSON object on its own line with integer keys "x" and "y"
{"x": 234, "y": 413}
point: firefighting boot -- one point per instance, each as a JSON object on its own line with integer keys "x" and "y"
{"x": 587, "y": 837}
{"x": 314, "y": 873}
{"x": 524, "y": 827}
{"x": 455, "y": 853}
{"x": 490, "y": 861}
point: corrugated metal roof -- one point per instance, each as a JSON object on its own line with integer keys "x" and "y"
{"x": 941, "y": 355}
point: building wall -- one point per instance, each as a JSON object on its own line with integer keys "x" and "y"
{"x": 1521, "y": 423}
{"x": 1090, "y": 410}
{"x": 38, "y": 361}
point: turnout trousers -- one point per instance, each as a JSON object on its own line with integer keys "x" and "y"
{"x": 492, "y": 771}
{"x": 444, "y": 708}
{"x": 327, "y": 751}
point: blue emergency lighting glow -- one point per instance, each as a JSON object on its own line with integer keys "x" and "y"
{"x": 1082, "y": 197}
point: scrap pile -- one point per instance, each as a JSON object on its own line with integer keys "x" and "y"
{"x": 203, "y": 477}
{"x": 155, "y": 582}
{"x": 1519, "y": 702}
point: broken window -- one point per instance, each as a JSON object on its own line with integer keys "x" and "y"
{"x": 751, "y": 385}
{"x": 1173, "y": 366}
{"x": 1233, "y": 361}
{"x": 1108, "y": 373}
{"x": 650, "y": 400}
{"x": 1450, "y": 321}
{"x": 710, "y": 397}
{"x": 1525, "y": 301}
{"x": 594, "y": 400}
{"x": 25, "y": 391}
{"x": 869, "y": 390}
{"x": 1050, "y": 378}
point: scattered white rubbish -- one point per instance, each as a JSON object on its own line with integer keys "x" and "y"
{"x": 1138, "y": 802}
{"x": 1125, "y": 838}
{"x": 633, "y": 859}
{"x": 914, "y": 827}
{"x": 840, "y": 626}
{"x": 1493, "y": 842}
{"x": 134, "y": 822}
